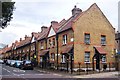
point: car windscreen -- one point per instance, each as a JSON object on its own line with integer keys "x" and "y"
{"x": 28, "y": 62}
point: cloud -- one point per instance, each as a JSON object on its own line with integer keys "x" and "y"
{"x": 30, "y": 15}
{"x": 7, "y": 38}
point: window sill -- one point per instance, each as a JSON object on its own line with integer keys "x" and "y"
{"x": 103, "y": 62}
{"x": 103, "y": 44}
{"x": 64, "y": 44}
{"x": 87, "y": 62}
{"x": 87, "y": 43}
{"x": 63, "y": 62}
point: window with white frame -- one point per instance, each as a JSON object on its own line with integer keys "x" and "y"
{"x": 64, "y": 39}
{"x": 63, "y": 59}
{"x": 53, "y": 56}
{"x": 50, "y": 43}
{"x": 87, "y": 38}
{"x": 103, "y": 39}
{"x": 53, "y": 42}
{"x": 23, "y": 51}
{"x": 27, "y": 50}
{"x": 103, "y": 58}
{"x": 32, "y": 47}
{"x": 87, "y": 56}
{"x": 41, "y": 59}
{"x": 41, "y": 45}
{"x": 20, "y": 51}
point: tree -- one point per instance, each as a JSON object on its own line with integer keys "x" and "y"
{"x": 7, "y": 12}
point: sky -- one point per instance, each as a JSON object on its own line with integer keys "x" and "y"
{"x": 30, "y": 15}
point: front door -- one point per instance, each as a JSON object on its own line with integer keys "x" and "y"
{"x": 46, "y": 60}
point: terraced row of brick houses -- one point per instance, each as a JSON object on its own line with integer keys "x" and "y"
{"x": 86, "y": 37}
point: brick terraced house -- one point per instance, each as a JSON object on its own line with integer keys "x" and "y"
{"x": 86, "y": 38}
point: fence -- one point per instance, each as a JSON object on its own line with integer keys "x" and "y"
{"x": 81, "y": 68}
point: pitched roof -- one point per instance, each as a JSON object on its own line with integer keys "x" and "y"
{"x": 67, "y": 24}
{"x": 35, "y": 34}
{"x": 43, "y": 34}
{"x": 23, "y": 42}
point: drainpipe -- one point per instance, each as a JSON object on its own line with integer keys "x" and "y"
{"x": 57, "y": 49}
{"x": 35, "y": 44}
{"x": 29, "y": 51}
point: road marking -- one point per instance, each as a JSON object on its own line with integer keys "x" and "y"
{"x": 39, "y": 74}
{"x": 57, "y": 74}
{"x": 19, "y": 70}
{"x": 6, "y": 70}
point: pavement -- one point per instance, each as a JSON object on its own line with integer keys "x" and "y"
{"x": 37, "y": 73}
{"x": 112, "y": 75}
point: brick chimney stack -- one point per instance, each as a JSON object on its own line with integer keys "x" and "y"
{"x": 54, "y": 23}
{"x": 20, "y": 39}
{"x": 43, "y": 28}
{"x": 76, "y": 10}
{"x": 26, "y": 37}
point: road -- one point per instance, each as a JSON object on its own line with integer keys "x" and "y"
{"x": 11, "y": 72}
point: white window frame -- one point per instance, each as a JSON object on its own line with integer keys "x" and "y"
{"x": 64, "y": 39}
{"x": 53, "y": 41}
{"x": 87, "y": 39}
{"x": 53, "y": 57}
{"x": 63, "y": 59}
{"x": 103, "y": 58}
{"x": 41, "y": 59}
{"x": 41, "y": 45}
{"x": 103, "y": 40}
{"x": 87, "y": 57}
{"x": 27, "y": 50}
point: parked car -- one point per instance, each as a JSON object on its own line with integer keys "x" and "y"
{"x": 8, "y": 62}
{"x": 1, "y": 61}
{"x": 12, "y": 62}
{"x": 26, "y": 64}
{"x": 17, "y": 64}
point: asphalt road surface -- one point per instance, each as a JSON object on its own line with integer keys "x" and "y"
{"x": 11, "y": 73}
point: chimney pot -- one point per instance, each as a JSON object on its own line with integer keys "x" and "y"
{"x": 43, "y": 28}
{"x": 54, "y": 23}
{"x": 76, "y": 10}
{"x": 20, "y": 39}
{"x": 26, "y": 36}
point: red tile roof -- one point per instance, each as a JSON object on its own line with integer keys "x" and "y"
{"x": 23, "y": 42}
{"x": 67, "y": 48}
{"x": 43, "y": 34}
{"x": 67, "y": 24}
{"x": 100, "y": 50}
{"x": 43, "y": 52}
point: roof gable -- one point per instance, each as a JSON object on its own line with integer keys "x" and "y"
{"x": 95, "y": 12}
{"x": 51, "y": 32}
{"x": 33, "y": 39}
